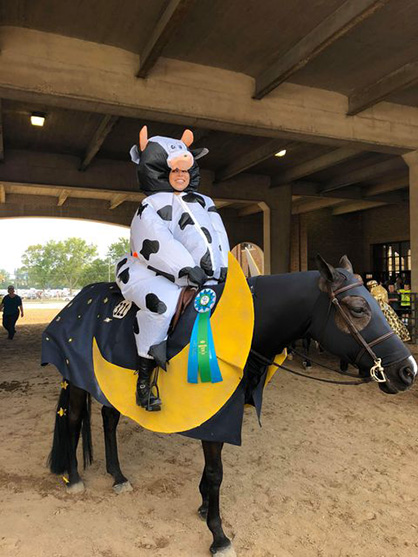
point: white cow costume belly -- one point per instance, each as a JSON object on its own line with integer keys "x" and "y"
{"x": 177, "y": 239}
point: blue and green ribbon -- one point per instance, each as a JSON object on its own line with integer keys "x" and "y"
{"x": 202, "y": 354}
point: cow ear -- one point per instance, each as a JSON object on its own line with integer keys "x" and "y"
{"x": 199, "y": 153}
{"x": 143, "y": 138}
{"x": 327, "y": 271}
{"x": 135, "y": 155}
{"x": 345, "y": 263}
{"x": 187, "y": 137}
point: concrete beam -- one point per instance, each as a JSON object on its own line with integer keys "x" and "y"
{"x": 335, "y": 26}
{"x": 314, "y": 190}
{"x": 103, "y": 130}
{"x": 117, "y": 200}
{"x": 62, "y": 198}
{"x": 167, "y": 24}
{"x": 385, "y": 187}
{"x": 315, "y": 165}
{"x": 316, "y": 205}
{"x": 376, "y": 92}
{"x": 251, "y": 159}
{"x": 1, "y": 134}
{"x": 250, "y": 210}
{"x": 363, "y": 174}
{"x": 354, "y": 207}
{"x": 2, "y": 194}
{"x": 80, "y": 75}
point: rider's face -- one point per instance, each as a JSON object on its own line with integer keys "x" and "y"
{"x": 179, "y": 179}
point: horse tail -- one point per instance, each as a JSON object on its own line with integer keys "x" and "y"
{"x": 86, "y": 433}
{"x": 59, "y": 457}
{"x": 61, "y": 445}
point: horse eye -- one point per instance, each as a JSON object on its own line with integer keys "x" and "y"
{"x": 357, "y": 310}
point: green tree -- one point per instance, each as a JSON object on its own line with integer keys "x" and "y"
{"x": 98, "y": 271}
{"x": 4, "y": 278}
{"x": 118, "y": 249}
{"x": 58, "y": 264}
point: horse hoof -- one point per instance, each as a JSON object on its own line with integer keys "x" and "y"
{"x": 122, "y": 488}
{"x": 73, "y": 489}
{"x": 224, "y": 552}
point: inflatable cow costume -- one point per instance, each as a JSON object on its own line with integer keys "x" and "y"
{"x": 177, "y": 239}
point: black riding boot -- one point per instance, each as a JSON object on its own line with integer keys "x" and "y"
{"x": 144, "y": 395}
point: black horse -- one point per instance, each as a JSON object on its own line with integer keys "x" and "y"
{"x": 331, "y": 307}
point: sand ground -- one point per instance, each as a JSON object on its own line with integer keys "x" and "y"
{"x": 332, "y": 473}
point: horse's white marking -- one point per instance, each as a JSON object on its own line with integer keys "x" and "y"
{"x": 75, "y": 488}
{"x": 413, "y": 363}
{"x": 122, "y": 488}
{"x": 227, "y": 552}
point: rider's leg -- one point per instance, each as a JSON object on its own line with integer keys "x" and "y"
{"x": 156, "y": 298}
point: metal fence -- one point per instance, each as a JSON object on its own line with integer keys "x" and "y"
{"x": 411, "y": 318}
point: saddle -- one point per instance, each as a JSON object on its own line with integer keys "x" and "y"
{"x": 186, "y": 296}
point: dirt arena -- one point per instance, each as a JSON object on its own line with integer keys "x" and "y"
{"x": 332, "y": 473}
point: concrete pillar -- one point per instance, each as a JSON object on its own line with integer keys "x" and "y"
{"x": 280, "y": 219}
{"x": 412, "y": 161}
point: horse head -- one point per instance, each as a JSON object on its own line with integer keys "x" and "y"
{"x": 348, "y": 322}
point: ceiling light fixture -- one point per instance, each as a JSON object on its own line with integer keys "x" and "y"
{"x": 37, "y": 119}
{"x": 281, "y": 153}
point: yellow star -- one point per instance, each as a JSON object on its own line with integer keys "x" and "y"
{"x": 107, "y": 320}
{"x": 64, "y": 384}
{"x": 62, "y": 412}
{"x": 105, "y": 300}
{"x": 90, "y": 301}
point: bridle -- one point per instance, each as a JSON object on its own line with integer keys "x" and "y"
{"x": 377, "y": 370}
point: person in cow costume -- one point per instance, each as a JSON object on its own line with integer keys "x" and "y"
{"x": 177, "y": 239}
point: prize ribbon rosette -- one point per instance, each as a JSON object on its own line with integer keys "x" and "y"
{"x": 202, "y": 355}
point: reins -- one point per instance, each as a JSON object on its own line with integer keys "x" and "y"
{"x": 268, "y": 362}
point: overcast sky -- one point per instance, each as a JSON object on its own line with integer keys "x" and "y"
{"x": 17, "y": 234}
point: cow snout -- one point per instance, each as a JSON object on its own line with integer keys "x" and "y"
{"x": 182, "y": 161}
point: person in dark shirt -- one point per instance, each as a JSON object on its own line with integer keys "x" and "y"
{"x": 11, "y": 305}
{"x": 394, "y": 299}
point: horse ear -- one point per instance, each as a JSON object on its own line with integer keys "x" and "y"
{"x": 345, "y": 263}
{"x": 187, "y": 137}
{"x": 143, "y": 138}
{"x": 327, "y": 271}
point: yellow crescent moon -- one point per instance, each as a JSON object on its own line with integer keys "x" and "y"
{"x": 186, "y": 405}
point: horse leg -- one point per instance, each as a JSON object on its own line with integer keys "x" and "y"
{"x": 110, "y": 422}
{"x": 77, "y": 408}
{"x": 306, "y": 341}
{"x": 212, "y": 476}
{"x": 204, "y": 492}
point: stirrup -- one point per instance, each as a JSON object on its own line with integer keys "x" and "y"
{"x": 149, "y": 401}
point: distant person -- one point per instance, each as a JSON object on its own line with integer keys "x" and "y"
{"x": 394, "y": 299}
{"x": 10, "y": 306}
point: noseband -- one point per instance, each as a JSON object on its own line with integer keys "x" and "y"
{"x": 377, "y": 370}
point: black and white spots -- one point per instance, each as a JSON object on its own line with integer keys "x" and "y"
{"x": 166, "y": 212}
{"x": 141, "y": 209}
{"x": 124, "y": 276}
{"x": 159, "y": 273}
{"x": 206, "y": 264}
{"x": 194, "y": 198}
{"x": 121, "y": 264}
{"x": 212, "y": 209}
{"x": 149, "y": 247}
{"x": 185, "y": 219}
{"x": 207, "y": 234}
{"x": 154, "y": 304}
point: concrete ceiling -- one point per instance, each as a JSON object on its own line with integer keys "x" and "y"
{"x": 244, "y": 37}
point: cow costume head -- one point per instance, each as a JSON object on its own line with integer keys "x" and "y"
{"x": 157, "y": 156}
